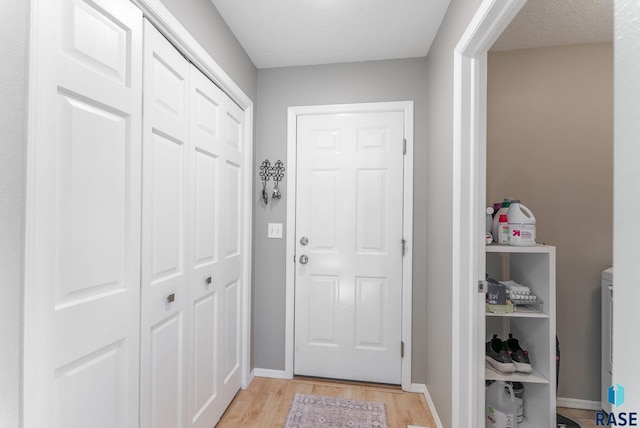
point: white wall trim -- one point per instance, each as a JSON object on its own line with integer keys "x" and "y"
{"x": 274, "y": 374}
{"x": 32, "y": 338}
{"x": 574, "y": 403}
{"x": 407, "y": 264}
{"x": 247, "y": 373}
{"x": 421, "y": 388}
{"x": 469, "y": 189}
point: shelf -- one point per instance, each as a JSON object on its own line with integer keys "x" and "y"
{"x": 521, "y": 314}
{"x": 492, "y": 374}
{"x": 534, "y": 267}
{"x": 538, "y": 248}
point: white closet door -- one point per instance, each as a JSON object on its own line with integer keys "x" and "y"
{"x": 232, "y": 250}
{"x": 83, "y": 250}
{"x": 191, "y": 238}
{"x": 216, "y": 252}
{"x": 165, "y": 294}
{"x": 205, "y": 264}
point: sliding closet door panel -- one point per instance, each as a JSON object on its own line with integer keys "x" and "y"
{"x": 83, "y": 222}
{"x": 232, "y": 248}
{"x": 205, "y": 406}
{"x": 165, "y": 294}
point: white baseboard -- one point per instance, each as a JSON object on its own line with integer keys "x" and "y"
{"x": 421, "y": 388}
{"x": 275, "y": 374}
{"x": 574, "y": 403}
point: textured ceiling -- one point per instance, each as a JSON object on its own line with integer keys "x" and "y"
{"x": 558, "y": 22}
{"x": 279, "y": 33}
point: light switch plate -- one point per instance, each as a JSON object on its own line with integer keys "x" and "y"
{"x": 274, "y": 230}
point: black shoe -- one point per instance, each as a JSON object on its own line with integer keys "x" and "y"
{"x": 519, "y": 356}
{"x": 498, "y": 357}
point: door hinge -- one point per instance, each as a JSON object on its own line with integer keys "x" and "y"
{"x": 482, "y": 286}
{"x": 401, "y": 349}
{"x": 404, "y": 147}
{"x": 404, "y": 247}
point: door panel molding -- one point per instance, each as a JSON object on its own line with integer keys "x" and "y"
{"x": 407, "y": 263}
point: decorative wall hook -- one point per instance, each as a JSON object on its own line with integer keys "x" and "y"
{"x": 277, "y": 172}
{"x": 265, "y": 173}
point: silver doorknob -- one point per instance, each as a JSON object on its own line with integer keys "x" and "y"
{"x": 304, "y": 259}
{"x": 304, "y": 240}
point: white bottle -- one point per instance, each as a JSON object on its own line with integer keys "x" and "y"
{"x": 501, "y": 408}
{"x": 496, "y": 218}
{"x": 522, "y": 225}
{"x": 503, "y": 230}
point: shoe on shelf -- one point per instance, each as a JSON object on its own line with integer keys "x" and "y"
{"x": 519, "y": 356}
{"x": 498, "y": 357}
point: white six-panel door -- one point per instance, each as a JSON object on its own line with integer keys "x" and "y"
{"x": 232, "y": 250}
{"x": 349, "y": 199}
{"x": 83, "y": 216}
{"x": 215, "y": 251}
{"x": 191, "y": 243}
{"x": 205, "y": 264}
{"x": 165, "y": 291}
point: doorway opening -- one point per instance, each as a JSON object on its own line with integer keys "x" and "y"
{"x": 469, "y": 188}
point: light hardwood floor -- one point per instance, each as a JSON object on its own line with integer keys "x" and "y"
{"x": 265, "y": 404}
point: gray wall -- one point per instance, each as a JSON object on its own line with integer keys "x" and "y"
{"x": 14, "y": 24}
{"x": 550, "y": 144}
{"x": 203, "y": 21}
{"x": 438, "y": 193}
{"x": 280, "y": 88}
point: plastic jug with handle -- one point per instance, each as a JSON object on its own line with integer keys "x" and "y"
{"x": 501, "y": 407}
{"x": 522, "y": 225}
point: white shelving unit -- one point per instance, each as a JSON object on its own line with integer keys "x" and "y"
{"x": 534, "y": 267}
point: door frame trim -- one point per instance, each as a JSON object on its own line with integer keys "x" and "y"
{"x": 407, "y": 261}
{"x": 469, "y": 195}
